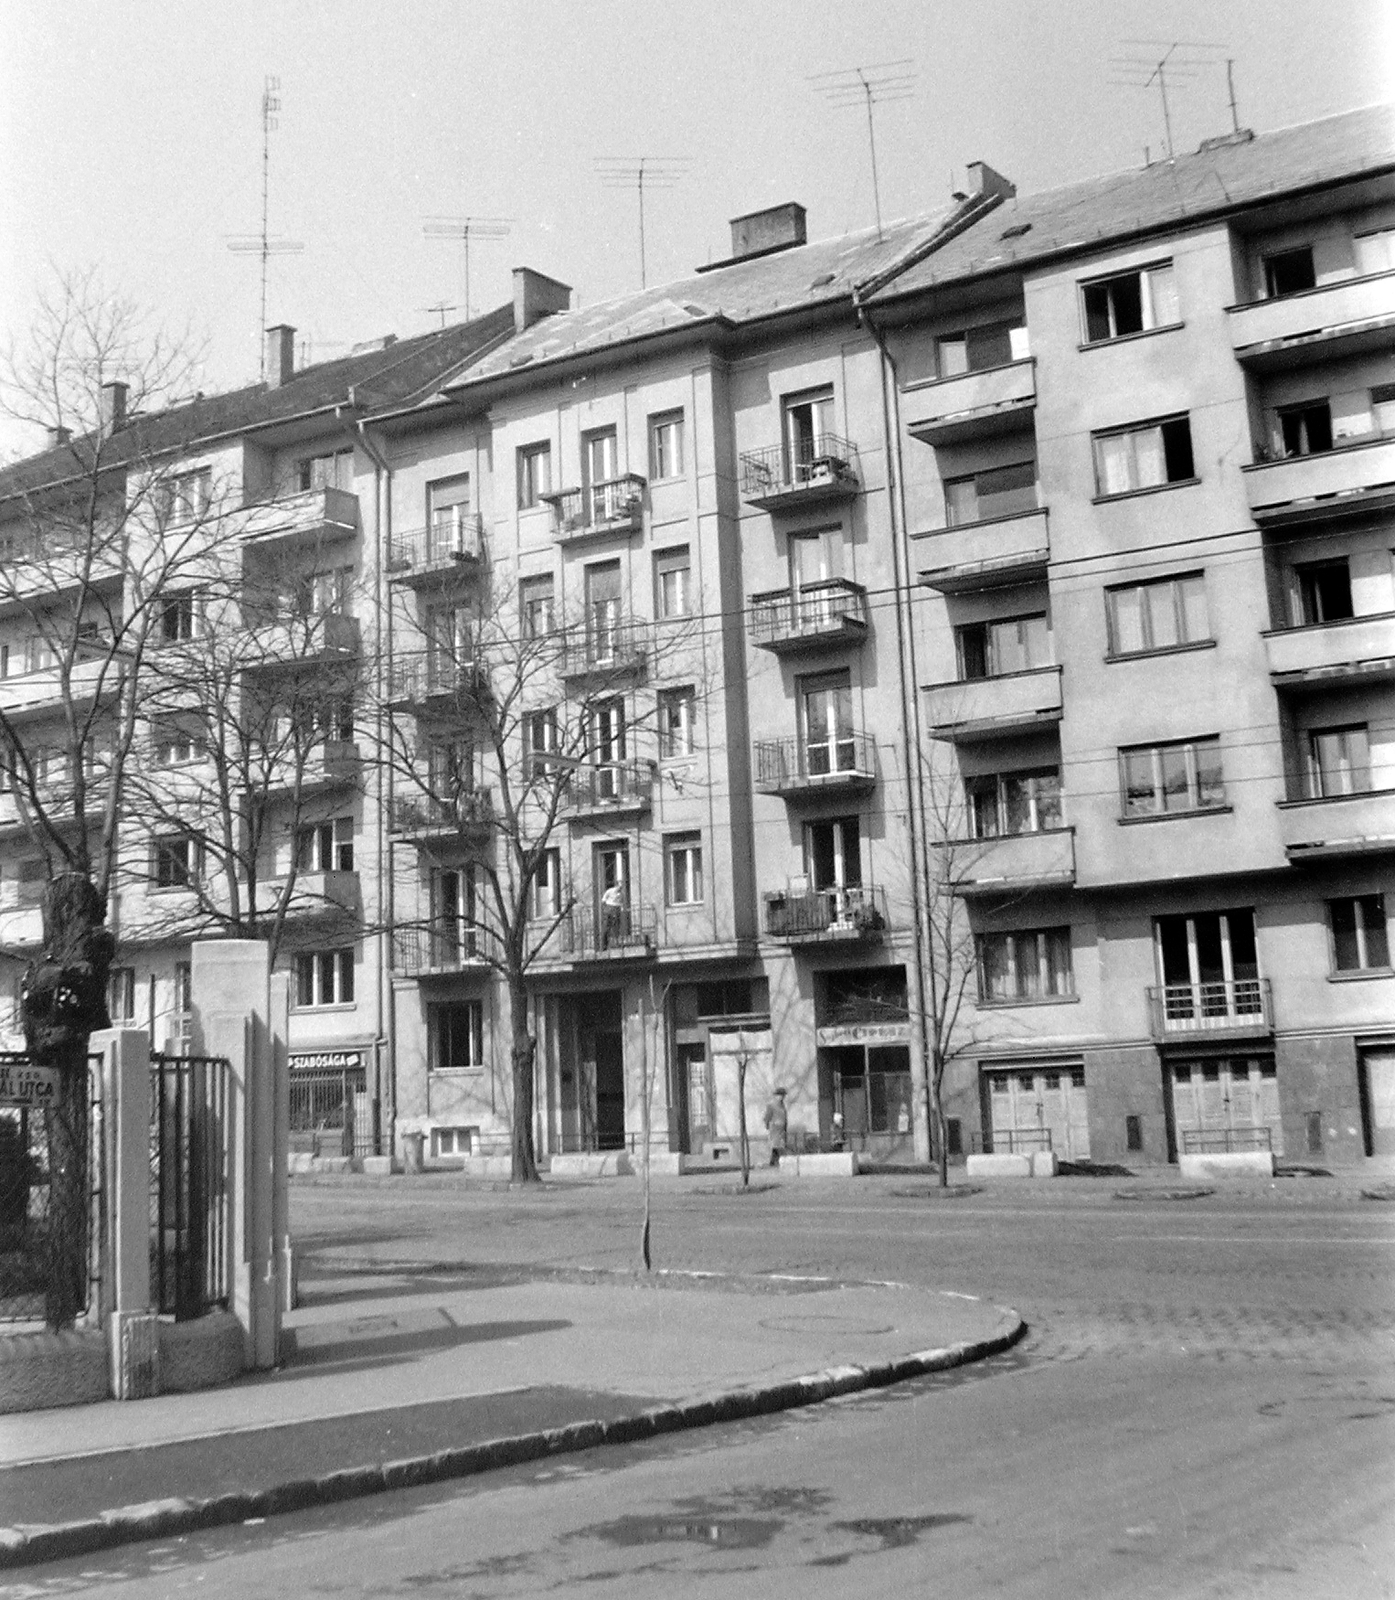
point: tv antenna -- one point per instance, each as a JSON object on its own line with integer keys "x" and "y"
{"x": 641, "y": 173}
{"x": 1181, "y": 63}
{"x": 463, "y": 229}
{"x": 438, "y": 310}
{"x": 869, "y": 86}
{"x": 263, "y": 244}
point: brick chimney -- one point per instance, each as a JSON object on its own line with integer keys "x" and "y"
{"x": 114, "y": 404}
{"x": 761, "y": 233}
{"x": 983, "y": 180}
{"x": 536, "y": 296}
{"x": 280, "y": 355}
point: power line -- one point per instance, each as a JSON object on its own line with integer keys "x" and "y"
{"x": 639, "y": 173}
{"x": 263, "y": 244}
{"x": 463, "y": 229}
{"x": 868, "y": 86}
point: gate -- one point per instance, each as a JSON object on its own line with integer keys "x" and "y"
{"x": 189, "y": 1269}
{"x": 1038, "y": 1108}
{"x": 1235, "y": 1095}
{"x": 332, "y": 1113}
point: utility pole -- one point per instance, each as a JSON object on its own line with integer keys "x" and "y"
{"x": 263, "y": 244}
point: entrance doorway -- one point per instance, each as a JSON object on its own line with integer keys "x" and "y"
{"x": 1377, "y": 1086}
{"x": 1225, "y": 1102}
{"x": 1039, "y": 1108}
{"x": 601, "y": 1050}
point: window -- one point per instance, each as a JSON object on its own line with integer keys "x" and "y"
{"x": 677, "y": 721}
{"x": 993, "y": 344}
{"x": 175, "y": 746}
{"x": 808, "y": 425}
{"x": 1144, "y": 457}
{"x": 1324, "y": 592}
{"x": 1209, "y": 961}
{"x": 666, "y": 445}
{"x": 1305, "y": 429}
{"x": 1129, "y": 302}
{"x": 1032, "y": 965}
{"x": 332, "y": 471}
{"x": 1359, "y": 939}
{"x": 1014, "y": 802}
{"x": 324, "y": 978}
{"x": 833, "y": 854}
{"x": 672, "y": 583}
{"x": 1339, "y": 761}
{"x": 1159, "y": 615}
{"x": 176, "y": 861}
{"x": 450, "y": 771}
{"x": 185, "y": 496}
{"x": 325, "y": 846}
{"x": 1011, "y": 644}
{"x": 995, "y": 492}
{"x": 534, "y": 474}
{"x": 608, "y": 749}
{"x": 535, "y": 606}
{"x": 1383, "y": 408}
{"x": 683, "y": 869}
{"x": 179, "y": 617}
{"x": 1289, "y": 272}
{"x": 457, "y": 1039}
{"x": 542, "y": 736}
{"x": 453, "y": 915}
{"x": 121, "y": 995}
{"x": 1375, "y": 252}
{"x": 183, "y": 989}
{"x": 330, "y": 720}
{"x": 545, "y": 899}
{"x": 827, "y": 723}
{"x": 603, "y": 587}
{"x": 319, "y": 594}
{"x": 448, "y": 509}
{"x": 1163, "y": 778}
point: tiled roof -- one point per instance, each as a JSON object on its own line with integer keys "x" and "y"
{"x": 1164, "y": 195}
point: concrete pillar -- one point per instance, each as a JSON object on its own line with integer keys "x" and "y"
{"x": 132, "y": 1327}
{"x": 240, "y": 1013}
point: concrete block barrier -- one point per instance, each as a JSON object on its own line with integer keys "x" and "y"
{"x": 999, "y": 1166}
{"x": 1228, "y": 1164}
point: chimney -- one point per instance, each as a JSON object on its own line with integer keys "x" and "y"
{"x": 536, "y": 296}
{"x": 761, "y": 233}
{"x": 58, "y": 436}
{"x": 279, "y": 358}
{"x": 983, "y": 180}
{"x": 114, "y": 405}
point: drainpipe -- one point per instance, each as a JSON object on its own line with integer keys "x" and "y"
{"x": 910, "y": 709}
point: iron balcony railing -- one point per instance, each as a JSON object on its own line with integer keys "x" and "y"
{"x": 855, "y": 912}
{"x": 811, "y": 466}
{"x": 617, "y": 503}
{"x": 1219, "y": 1007}
{"x": 610, "y": 932}
{"x": 832, "y": 609}
{"x": 604, "y": 647}
{"x": 447, "y": 945}
{"x": 467, "y": 813}
{"x": 417, "y": 679}
{"x": 612, "y": 784}
{"x": 788, "y": 765}
{"x": 190, "y": 1141}
{"x": 447, "y": 544}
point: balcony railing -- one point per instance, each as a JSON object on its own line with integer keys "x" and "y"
{"x": 325, "y": 514}
{"x": 610, "y": 786}
{"x": 826, "y": 914}
{"x": 972, "y": 709}
{"x": 1321, "y": 324}
{"x": 446, "y": 946}
{"x": 426, "y": 816}
{"x": 974, "y": 405}
{"x": 1239, "y": 1005}
{"x": 1319, "y": 827}
{"x": 290, "y": 640}
{"x": 604, "y": 651}
{"x": 1353, "y": 479}
{"x": 1352, "y": 649}
{"x": 319, "y": 893}
{"x": 795, "y": 766}
{"x": 610, "y": 933}
{"x": 324, "y": 766}
{"x": 790, "y": 621}
{"x": 825, "y": 467}
{"x": 1013, "y": 862}
{"x": 984, "y": 555}
{"x": 614, "y": 506}
{"x": 1225, "y": 1141}
{"x": 446, "y": 682}
{"x": 453, "y": 545}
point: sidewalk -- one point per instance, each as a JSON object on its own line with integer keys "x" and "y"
{"x": 517, "y": 1363}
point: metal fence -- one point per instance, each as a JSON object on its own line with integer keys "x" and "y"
{"x": 189, "y": 1266}
{"x": 1225, "y": 1141}
{"x": 1014, "y": 1141}
{"x": 332, "y": 1114}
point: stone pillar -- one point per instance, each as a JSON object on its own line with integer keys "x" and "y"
{"x": 239, "y": 1013}
{"x": 132, "y": 1327}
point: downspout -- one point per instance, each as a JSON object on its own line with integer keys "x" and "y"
{"x": 910, "y": 711}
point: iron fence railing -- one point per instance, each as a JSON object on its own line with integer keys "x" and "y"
{"x": 613, "y": 784}
{"x": 415, "y": 679}
{"x": 447, "y": 543}
{"x": 823, "y": 461}
{"x": 439, "y": 947}
{"x": 603, "y": 647}
{"x": 1225, "y": 1141}
{"x": 1210, "y": 1007}
{"x": 786, "y": 764}
{"x": 610, "y": 931}
{"x": 615, "y": 503}
{"x": 831, "y": 608}
{"x": 464, "y": 813}
{"x": 332, "y": 1114}
{"x": 190, "y": 1270}
{"x": 857, "y": 911}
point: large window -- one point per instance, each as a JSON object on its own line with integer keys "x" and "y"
{"x": 827, "y": 723}
{"x": 457, "y": 1036}
{"x": 325, "y": 846}
{"x": 186, "y": 496}
{"x": 1009, "y": 644}
{"x": 536, "y": 606}
{"x": 324, "y": 978}
{"x": 833, "y": 853}
{"x": 1184, "y": 775}
{"x": 179, "y": 616}
{"x": 1305, "y": 428}
{"x": 545, "y": 899}
{"x": 673, "y": 582}
{"x": 992, "y": 344}
{"x": 1359, "y": 939}
{"x": 175, "y": 861}
{"x": 677, "y": 721}
{"x": 1144, "y": 457}
{"x": 1339, "y": 761}
{"x": 534, "y": 474}
{"x": 1129, "y": 302}
{"x": 448, "y": 512}
{"x": 808, "y": 420}
{"x": 333, "y": 471}
{"x": 1323, "y": 592}
{"x": 1159, "y": 615}
{"x": 666, "y": 445}
{"x": 1289, "y": 272}
{"x": 1024, "y": 966}
{"x": 542, "y": 738}
{"x": 992, "y": 493}
{"x": 1014, "y": 802}
{"x": 683, "y": 869}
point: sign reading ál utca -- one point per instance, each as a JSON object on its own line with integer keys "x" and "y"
{"x": 23, "y": 1084}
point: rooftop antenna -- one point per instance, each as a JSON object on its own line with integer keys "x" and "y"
{"x": 464, "y": 229}
{"x": 263, "y": 244}
{"x": 439, "y": 310}
{"x": 1178, "y": 67}
{"x": 1230, "y": 90}
{"x": 869, "y": 86}
{"x": 639, "y": 173}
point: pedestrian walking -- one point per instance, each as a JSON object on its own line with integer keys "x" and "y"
{"x": 777, "y": 1122}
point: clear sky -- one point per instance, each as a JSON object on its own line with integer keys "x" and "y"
{"x": 130, "y": 133}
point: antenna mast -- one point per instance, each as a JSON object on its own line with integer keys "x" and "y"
{"x": 1169, "y": 70}
{"x": 639, "y": 173}
{"x": 263, "y": 244}
{"x": 869, "y": 86}
{"x": 463, "y": 229}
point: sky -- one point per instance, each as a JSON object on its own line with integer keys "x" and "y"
{"x": 131, "y": 135}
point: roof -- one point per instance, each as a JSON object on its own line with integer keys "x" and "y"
{"x": 393, "y": 374}
{"x": 1164, "y": 195}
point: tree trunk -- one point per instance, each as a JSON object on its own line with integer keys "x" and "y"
{"x": 940, "y": 1151}
{"x": 63, "y": 1002}
{"x": 524, "y": 1167}
{"x": 741, "y": 1112}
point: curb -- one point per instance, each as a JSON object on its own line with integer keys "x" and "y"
{"x": 155, "y": 1519}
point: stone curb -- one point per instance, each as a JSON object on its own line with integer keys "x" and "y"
{"x": 156, "y": 1519}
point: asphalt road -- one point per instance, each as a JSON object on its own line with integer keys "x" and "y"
{"x": 1205, "y": 1406}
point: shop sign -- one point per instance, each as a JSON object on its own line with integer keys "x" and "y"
{"x": 327, "y": 1061}
{"x": 22, "y": 1084}
{"x": 865, "y": 1033}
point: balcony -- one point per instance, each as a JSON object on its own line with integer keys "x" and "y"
{"x": 801, "y": 771}
{"x": 1016, "y": 863}
{"x": 440, "y": 947}
{"x": 819, "y": 616}
{"x": 603, "y": 509}
{"x": 1351, "y": 480}
{"x": 38, "y": 694}
{"x": 312, "y": 515}
{"x": 826, "y": 916}
{"x": 56, "y": 799}
{"x": 286, "y": 642}
{"x": 821, "y": 469}
{"x": 974, "y": 405}
{"x": 1322, "y": 324}
{"x": 977, "y": 709}
{"x": 1331, "y": 654}
{"x": 426, "y": 817}
{"x": 319, "y": 894}
{"x": 334, "y": 764}
{"x": 1338, "y": 825}
{"x": 625, "y": 933}
{"x": 985, "y": 555}
{"x": 438, "y": 685}
{"x": 614, "y": 789}
{"x": 1237, "y": 1008}
{"x": 449, "y": 549}
{"x": 603, "y": 654}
